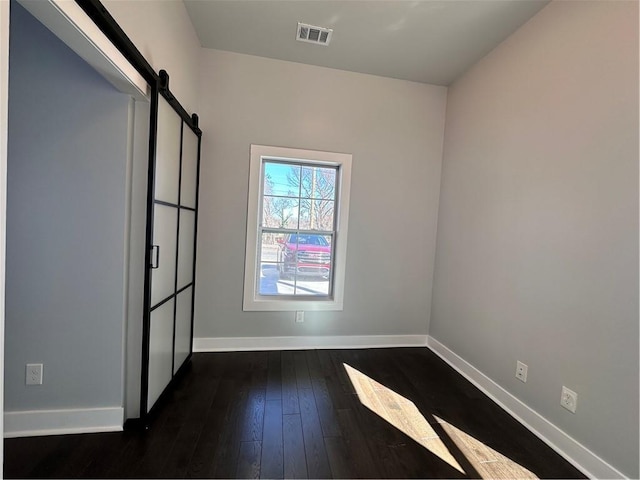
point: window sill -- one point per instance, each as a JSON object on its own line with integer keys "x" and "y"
{"x": 281, "y": 305}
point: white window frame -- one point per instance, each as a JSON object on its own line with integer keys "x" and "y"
{"x": 252, "y": 300}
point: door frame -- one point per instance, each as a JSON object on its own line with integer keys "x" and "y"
{"x": 159, "y": 85}
{"x": 4, "y": 113}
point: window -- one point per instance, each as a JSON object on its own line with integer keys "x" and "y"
{"x": 296, "y": 229}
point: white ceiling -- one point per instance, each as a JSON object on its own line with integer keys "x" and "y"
{"x": 429, "y": 41}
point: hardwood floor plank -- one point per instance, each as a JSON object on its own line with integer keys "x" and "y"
{"x": 338, "y": 358}
{"x": 164, "y": 430}
{"x": 272, "y": 461}
{"x": 240, "y": 368}
{"x": 50, "y": 466}
{"x": 110, "y": 447}
{"x": 274, "y": 376}
{"x": 259, "y": 369}
{"x": 186, "y": 427}
{"x": 418, "y": 462}
{"x": 356, "y": 448}
{"x": 295, "y": 463}
{"x": 178, "y": 460}
{"x": 325, "y": 364}
{"x": 253, "y": 416}
{"x": 313, "y": 365}
{"x": 339, "y": 461}
{"x": 22, "y": 455}
{"x": 131, "y": 455}
{"x": 290, "y": 403}
{"x": 160, "y": 444}
{"x": 339, "y": 398}
{"x": 315, "y": 452}
{"x": 249, "y": 460}
{"x": 76, "y": 463}
{"x": 83, "y": 458}
{"x": 225, "y": 459}
{"x": 380, "y": 438}
{"x": 326, "y": 412}
{"x": 303, "y": 380}
{"x": 214, "y": 422}
{"x": 201, "y": 463}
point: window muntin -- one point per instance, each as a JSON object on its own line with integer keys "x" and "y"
{"x": 296, "y": 230}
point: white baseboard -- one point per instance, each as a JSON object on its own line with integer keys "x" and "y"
{"x": 34, "y": 423}
{"x": 574, "y": 452}
{"x": 238, "y": 344}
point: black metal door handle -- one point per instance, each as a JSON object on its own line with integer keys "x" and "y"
{"x": 155, "y": 256}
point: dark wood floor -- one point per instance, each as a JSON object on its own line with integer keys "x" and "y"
{"x": 378, "y": 413}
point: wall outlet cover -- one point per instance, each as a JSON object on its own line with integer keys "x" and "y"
{"x": 569, "y": 399}
{"x": 521, "y": 371}
{"x": 34, "y": 374}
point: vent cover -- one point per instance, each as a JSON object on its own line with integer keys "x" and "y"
{"x": 311, "y": 34}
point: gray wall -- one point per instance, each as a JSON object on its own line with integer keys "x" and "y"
{"x": 537, "y": 253}
{"x": 394, "y": 130}
{"x": 65, "y": 225}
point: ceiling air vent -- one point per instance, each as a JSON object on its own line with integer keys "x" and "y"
{"x": 311, "y": 34}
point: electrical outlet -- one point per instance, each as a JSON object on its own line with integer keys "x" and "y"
{"x": 34, "y": 374}
{"x": 521, "y": 371}
{"x": 299, "y": 316}
{"x": 569, "y": 399}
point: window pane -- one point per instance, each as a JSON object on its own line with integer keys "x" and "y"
{"x": 273, "y": 282}
{"x": 318, "y": 182}
{"x": 182, "y": 342}
{"x": 188, "y": 181}
{"x": 306, "y": 263}
{"x": 281, "y": 179}
{"x": 185, "y": 247}
{"x": 316, "y": 214}
{"x": 294, "y": 264}
{"x": 280, "y": 212}
{"x": 268, "y": 273}
{"x": 163, "y": 278}
{"x": 269, "y": 247}
{"x": 268, "y": 280}
{"x": 167, "y": 153}
{"x": 309, "y": 286}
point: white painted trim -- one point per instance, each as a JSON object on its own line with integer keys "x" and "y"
{"x": 573, "y": 451}
{"x": 74, "y": 27}
{"x": 4, "y": 103}
{"x": 240, "y": 344}
{"x": 135, "y": 270}
{"x": 33, "y": 423}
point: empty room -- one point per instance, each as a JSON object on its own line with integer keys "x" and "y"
{"x": 320, "y": 239}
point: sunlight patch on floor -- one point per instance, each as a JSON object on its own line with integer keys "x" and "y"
{"x": 399, "y": 412}
{"x": 403, "y": 414}
{"x": 487, "y": 462}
